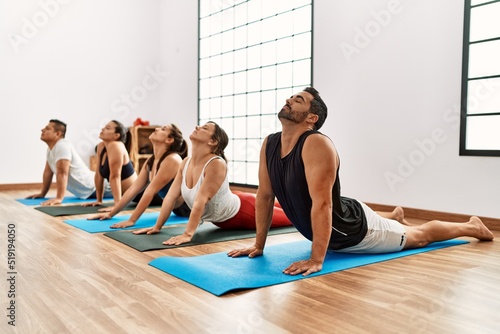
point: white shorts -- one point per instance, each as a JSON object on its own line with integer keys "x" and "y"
{"x": 383, "y": 236}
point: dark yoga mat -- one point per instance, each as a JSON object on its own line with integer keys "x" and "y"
{"x": 205, "y": 234}
{"x": 70, "y": 210}
{"x": 218, "y": 274}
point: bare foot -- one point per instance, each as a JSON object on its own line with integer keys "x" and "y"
{"x": 483, "y": 233}
{"x": 399, "y": 215}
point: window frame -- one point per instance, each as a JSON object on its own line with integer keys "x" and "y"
{"x": 464, "y": 151}
{"x": 250, "y": 139}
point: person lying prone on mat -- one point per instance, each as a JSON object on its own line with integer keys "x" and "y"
{"x": 300, "y": 166}
{"x": 202, "y": 181}
{"x": 155, "y": 177}
{"x": 113, "y": 163}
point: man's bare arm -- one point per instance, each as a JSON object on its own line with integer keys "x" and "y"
{"x": 320, "y": 163}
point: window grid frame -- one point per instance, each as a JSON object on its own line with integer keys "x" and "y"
{"x": 263, "y": 117}
{"x": 464, "y": 115}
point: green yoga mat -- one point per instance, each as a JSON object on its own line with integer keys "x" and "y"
{"x": 205, "y": 234}
{"x": 70, "y": 210}
{"x": 218, "y": 274}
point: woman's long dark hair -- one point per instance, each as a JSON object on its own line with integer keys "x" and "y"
{"x": 179, "y": 146}
{"x": 222, "y": 140}
{"x": 124, "y": 133}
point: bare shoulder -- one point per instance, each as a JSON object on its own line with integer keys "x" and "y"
{"x": 216, "y": 164}
{"x": 171, "y": 159}
{"x": 319, "y": 153}
{"x": 116, "y": 146}
{"x": 319, "y": 143}
{"x": 263, "y": 148}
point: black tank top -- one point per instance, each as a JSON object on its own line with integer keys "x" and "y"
{"x": 127, "y": 169}
{"x": 289, "y": 184}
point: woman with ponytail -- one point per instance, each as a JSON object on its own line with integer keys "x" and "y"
{"x": 113, "y": 163}
{"x": 202, "y": 182}
{"x": 155, "y": 177}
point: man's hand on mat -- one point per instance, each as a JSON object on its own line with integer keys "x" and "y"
{"x": 178, "y": 240}
{"x": 52, "y": 201}
{"x": 250, "y": 251}
{"x": 148, "y": 230}
{"x": 123, "y": 224}
{"x": 304, "y": 267}
{"x": 96, "y": 203}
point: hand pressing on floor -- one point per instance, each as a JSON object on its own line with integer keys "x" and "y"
{"x": 149, "y": 230}
{"x": 123, "y": 224}
{"x": 178, "y": 240}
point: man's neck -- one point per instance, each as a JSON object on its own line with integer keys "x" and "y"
{"x": 53, "y": 143}
{"x": 290, "y": 135}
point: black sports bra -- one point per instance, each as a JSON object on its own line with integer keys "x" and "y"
{"x": 127, "y": 169}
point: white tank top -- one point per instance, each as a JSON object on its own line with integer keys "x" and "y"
{"x": 223, "y": 206}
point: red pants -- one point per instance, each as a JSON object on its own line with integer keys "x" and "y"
{"x": 245, "y": 218}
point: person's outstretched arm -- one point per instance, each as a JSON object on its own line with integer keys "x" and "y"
{"x": 46, "y": 182}
{"x": 174, "y": 193}
{"x": 215, "y": 174}
{"x": 320, "y": 163}
{"x": 98, "y": 180}
{"x": 115, "y": 161}
{"x": 139, "y": 184}
{"x": 62, "y": 175}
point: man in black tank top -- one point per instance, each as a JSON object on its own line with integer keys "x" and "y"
{"x": 300, "y": 167}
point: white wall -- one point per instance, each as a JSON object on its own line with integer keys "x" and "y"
{"x": 179, "y": 56}
{"x": 87, "y": 62}
{"x": 401, "y": 86}
{"x": 393, "y": 97}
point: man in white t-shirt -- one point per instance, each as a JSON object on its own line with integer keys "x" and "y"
{"x": 63, "y": 161}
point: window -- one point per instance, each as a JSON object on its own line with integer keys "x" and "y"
{"x": 480, "y": 121}
{"x": 252, "y": 56}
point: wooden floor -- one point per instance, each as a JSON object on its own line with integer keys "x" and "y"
{"x": 70, "y": 281}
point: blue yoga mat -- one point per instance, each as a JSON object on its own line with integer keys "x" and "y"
{"x": 218, "y": 274}
{"x": 147, "y": 220}
{"x": 66, "y": 200}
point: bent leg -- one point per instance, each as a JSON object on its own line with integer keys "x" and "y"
{"x": 245, "y": 218}
{"x": 396, "y": 214}
{"x": 436, "y": 230}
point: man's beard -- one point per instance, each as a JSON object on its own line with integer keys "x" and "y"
{"x": 291, "y": 116}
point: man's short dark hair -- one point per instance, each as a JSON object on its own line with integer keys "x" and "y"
{"x": 59, "y": 126}
{"x": 318, "y": 107}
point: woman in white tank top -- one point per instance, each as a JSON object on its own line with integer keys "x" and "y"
{"x": 202, "y": 181}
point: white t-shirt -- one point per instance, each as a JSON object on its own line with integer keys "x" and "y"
{"x": 223, "y": 206}
{"x": 80, "y": 178}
